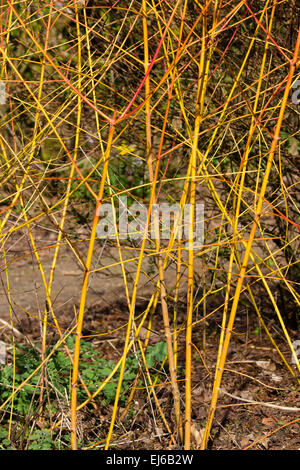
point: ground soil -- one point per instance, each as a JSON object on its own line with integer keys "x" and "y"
{"x": 255, "y": 375}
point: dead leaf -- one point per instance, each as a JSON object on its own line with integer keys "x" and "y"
{"x": 197, "y": 435}
{"x": 268, "y": 421}
{"x": 265, "y": 442}
{"x": 276, "y": 378}
{"x": 266, "y": 365}
{"x": 244, "y": 442}
{"x": 293, "y": 147}
{"x": 159, "y": 431}
{"x": 246, "y": 395}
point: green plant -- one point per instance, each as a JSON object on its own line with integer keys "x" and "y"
{"x": 41, "y": 439}
{"x": 94, "y": 369}
{"x": 5, "y": 443}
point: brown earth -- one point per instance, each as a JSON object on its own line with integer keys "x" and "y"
{"x": 254, "y": 379}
